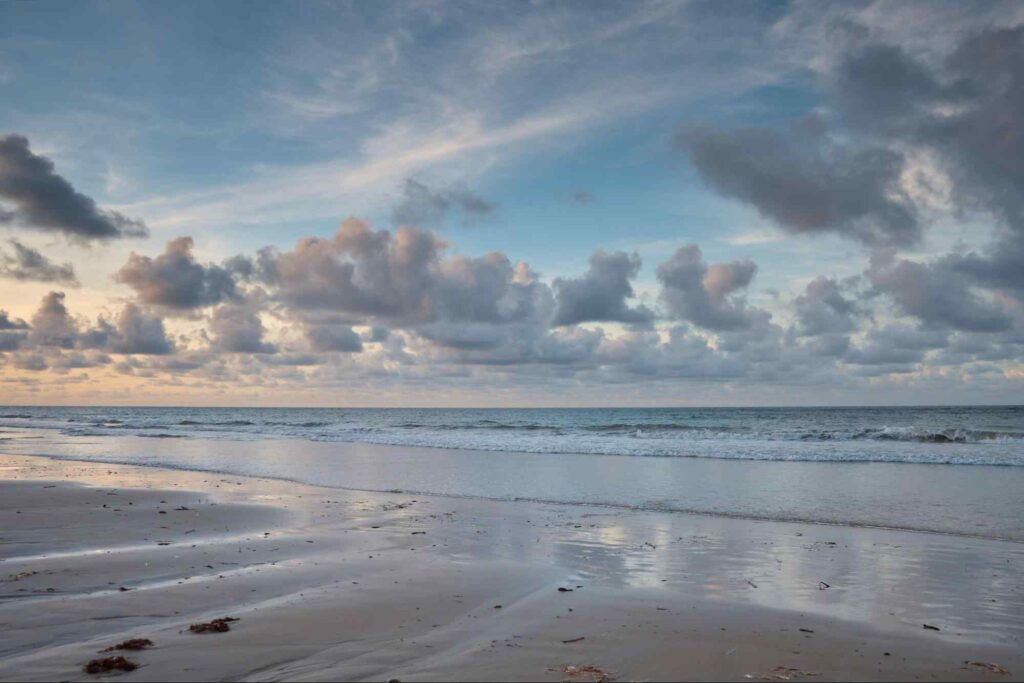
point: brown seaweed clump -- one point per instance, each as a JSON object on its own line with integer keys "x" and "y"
{"x": 131, "y": 644}
{"x": 221, "y": 625}
{"x": 108, "y": 664}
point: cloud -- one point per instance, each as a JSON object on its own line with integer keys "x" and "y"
{"x": 423, "y": 206}
{"x": 706, "y": 295}
{"x": 13, "y": 332}
{"x": 896, "y": 345}
{"x": 7, "y": 323}
{"x": 46, "y": 201}
{"x": 237, "y": 328}
{"x": 807, "y": 183}
{"x": 27, "y": 263}
{"x": 822, "y": 309}
{"x": 935, "y": 293}
{"x": 359, "y": 271}
{"x": 175, "y": 280}
{"x": 52, "y": 325}
{"x": 333, "y": 338}
{"x": 138, "y": 332}
{"x": 961, "y": 108}
{"x": 600, "y": 294}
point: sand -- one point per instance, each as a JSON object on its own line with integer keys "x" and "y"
{"x": 330, "y": 584}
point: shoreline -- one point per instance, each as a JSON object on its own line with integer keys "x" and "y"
{"x": 594, "y": 504}
{"x": 325, "y": 589}
{"x": 970, "y": 501}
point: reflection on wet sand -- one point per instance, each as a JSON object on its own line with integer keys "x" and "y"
{"x": 335, "y": 584}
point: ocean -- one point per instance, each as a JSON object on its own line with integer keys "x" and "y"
{"x": 956, "y": 470}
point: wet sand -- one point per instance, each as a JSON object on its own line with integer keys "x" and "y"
{"x": 330, "y": 584}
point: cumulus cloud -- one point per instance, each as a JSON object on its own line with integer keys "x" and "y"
{"x": 237, "y": 328}
{"x": 359, "y": 271}
{"x": 175, "y": 280}
{"x": 333, "y": 338}
{"x": 600, "y": 294}
{"x": 935, "y": 293}
{"x": 896, "y": 345}
{"x": 138, "y": 332}
{"x": 52, "y": 325}
{"x": 822, "y": 309}
{"x": 7, "y": 323}
{"x": 404, "y": 279}
{"x": 43, "y": 200}
{"x": 13, "y": 332}
{"x": 706, "y": 295}
{"x": 26, "y": 263}
{"x": 424, "y": 206}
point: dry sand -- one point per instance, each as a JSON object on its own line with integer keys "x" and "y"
{"x": 330, "y": 584}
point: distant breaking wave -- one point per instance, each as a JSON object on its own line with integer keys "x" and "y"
{"x": 993, "y": 436}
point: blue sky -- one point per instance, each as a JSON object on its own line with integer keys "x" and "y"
{"x": 544, "y": 131}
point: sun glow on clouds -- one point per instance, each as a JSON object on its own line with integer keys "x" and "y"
{"x": 877, "y": 256}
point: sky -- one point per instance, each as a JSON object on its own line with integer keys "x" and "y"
{"x": 511, "y": 203}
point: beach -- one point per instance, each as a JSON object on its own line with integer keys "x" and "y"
{"x": 331, "y": 584}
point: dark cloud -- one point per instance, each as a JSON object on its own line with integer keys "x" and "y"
{"x": 600, "y": 294}
{"x": 334, "y": 338}
{"x": 7, "y": 323}
{"x": 935, "y": 293}
{"x": 13, "y": 332}
{"x": 134, "y": 331}
{"x": 27, "y": 263}
{"x": 965, "y": 110}
{"x": 822, "y": 309}
{"x": 999, "y": 267}
{"x": 807, "y": 183}
{"x": 45, "y": 201}
{"x": 12, "y": 341}
{"x": 175, "y": 280}
{"x": 140, "y": 333}
{"x": 376, "y": 334}
{"x": 706, "y": 295}
{"x": 424, "y": 206}
{"x": 237, "y": 328}
{"x": 896, "y": 345}
{"x": 52, "y": 325}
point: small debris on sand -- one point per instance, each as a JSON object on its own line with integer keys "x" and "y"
{"x": 131, "y": 644}
{"x": 591, "y": 673}
{"x": 216, "y": 626}
{"x": 573, "y": 640}
{"x": 783, "y": 673}
{"x": 931, "y": 628}
{"x": 991, "y": 668}
{"x": 108, "y": 664}
{"x": 564, "y": 590}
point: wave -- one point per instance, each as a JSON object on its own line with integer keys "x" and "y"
{"x": 953, "y": 435}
